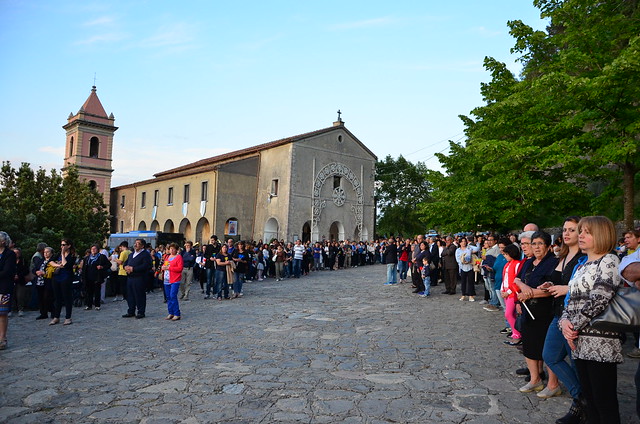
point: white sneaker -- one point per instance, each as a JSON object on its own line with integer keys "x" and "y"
{"x": 472, "y": 299}
{"x": 463, "y": 298}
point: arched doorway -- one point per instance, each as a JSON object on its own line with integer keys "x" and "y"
{"x": 270, "y": 230}
{"x": 168, "y": 226}
{"x": 306, "y": 232}
{"x": 365, "y": 234}
{"x": 155, "y": 225}
{"x": 203, "y": 230}
{"x": 185, "y": 229}
{"x": 142, "y": 226}
{"x": 336, "y": 231}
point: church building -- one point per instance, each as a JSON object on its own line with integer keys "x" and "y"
{"x": 314, "y": 186}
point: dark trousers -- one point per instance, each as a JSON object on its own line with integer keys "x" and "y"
{"x": 433, "y": 275}
{"x": 416, "y": 279}
{"x": 599, "y": 383}
{"x": 45, "y": 298}
{"x": 451, "y": 279}
{"x": 121, "y": 288}
{"x": 136, "y": 294}
{"x": 63, "y": 296}
{"x": 467, "y": 283}
{"x": 94, "y": 289}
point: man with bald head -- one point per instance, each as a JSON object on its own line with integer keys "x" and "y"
{"x": 530, "y": 227}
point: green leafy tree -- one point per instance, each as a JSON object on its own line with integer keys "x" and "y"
{"x": 593, "y": 49}
{"x": 561, "y": 139}
{"x": 401, "y": 186}
{"x": 35, "y": 207}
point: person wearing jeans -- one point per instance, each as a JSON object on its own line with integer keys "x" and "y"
{"x": 391, "y": 259}
{"x": 242, "y": 259}
{"x": 223, "y": 259}
{"x": 298, "y": 252}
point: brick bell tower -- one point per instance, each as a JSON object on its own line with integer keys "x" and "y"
{"x": 90, "y": 144}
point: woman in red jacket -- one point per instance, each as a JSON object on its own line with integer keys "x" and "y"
{"x": 172, "y": 268}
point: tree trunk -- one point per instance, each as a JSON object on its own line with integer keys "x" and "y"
{"x": 629, "y": 173}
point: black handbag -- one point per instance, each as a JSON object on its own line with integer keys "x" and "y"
{"x": 622, "y": 314}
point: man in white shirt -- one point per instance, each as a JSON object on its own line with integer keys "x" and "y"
{"x": 298, "y": 252}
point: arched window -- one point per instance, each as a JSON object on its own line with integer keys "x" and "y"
{"x": 71, "y": 147}
{"x": 94, "y": 146}
{"x": 93, "y": 185}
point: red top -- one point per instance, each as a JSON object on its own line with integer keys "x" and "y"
{"x": 509, "y": 273}
{"x": 175, "y": 268}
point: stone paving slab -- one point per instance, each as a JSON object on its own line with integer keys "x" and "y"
{"x": 330, "y": 347}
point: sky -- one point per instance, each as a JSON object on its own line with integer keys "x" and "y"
{"x": 193, "y": 79}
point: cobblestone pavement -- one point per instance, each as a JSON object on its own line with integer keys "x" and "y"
{"x": 331, "y": 347}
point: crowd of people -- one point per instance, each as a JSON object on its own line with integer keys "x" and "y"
{"x": 66, "y": 278}
{"x": 547, "y": 290}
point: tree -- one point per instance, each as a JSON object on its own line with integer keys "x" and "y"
{"x": 593, "y": 47}
{"x": 556, "y": 140}
{"x": 401, "y": 186}
{"x": 37, "y": 207}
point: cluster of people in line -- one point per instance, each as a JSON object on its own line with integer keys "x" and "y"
{"x": 549, "y": 291}
{"x": 66, "y": 278}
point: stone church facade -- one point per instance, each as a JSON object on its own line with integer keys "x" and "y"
{"x": 314, "y": 186}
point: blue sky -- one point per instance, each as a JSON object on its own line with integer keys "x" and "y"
{"x": 193, "y": 79}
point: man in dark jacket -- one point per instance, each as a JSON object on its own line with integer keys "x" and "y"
{"x": 391, "y": 259}
{"x": 189, "y": 255}
{"x": 137, "y": 267}
{"x": 210, "y": 252}
{"x": 94, "y": 271}
{"x": 435, "y": 259}
{"x": 450, "y": 266}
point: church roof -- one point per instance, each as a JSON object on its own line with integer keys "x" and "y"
{"x": 258, "y": 148}
{"x": 210, "y": 163}
{"x": 93, "y": 105}
{"x": 92, "y": 113}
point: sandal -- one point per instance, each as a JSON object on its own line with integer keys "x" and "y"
{"x": 169, "y": 317}
{"x": 176, "y": 318}
{"x": 54, "y": 321}
{"x": 67, "y": 321}
{"x": 3, "y": 344}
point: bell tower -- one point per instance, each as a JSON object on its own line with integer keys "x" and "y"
{"x": 90, "y": 144}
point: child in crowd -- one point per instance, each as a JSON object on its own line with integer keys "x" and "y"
{"x": 426, "y": 279}
{"x": 510, "y": 290}
{"x": 260, "y": 265}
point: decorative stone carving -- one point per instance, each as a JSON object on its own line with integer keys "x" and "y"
{"x": 339, "y": 195}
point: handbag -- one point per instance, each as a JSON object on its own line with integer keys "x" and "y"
{"x": 622, "y": 314}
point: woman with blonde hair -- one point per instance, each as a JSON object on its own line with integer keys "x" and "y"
{"x": 596, "y": 352}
